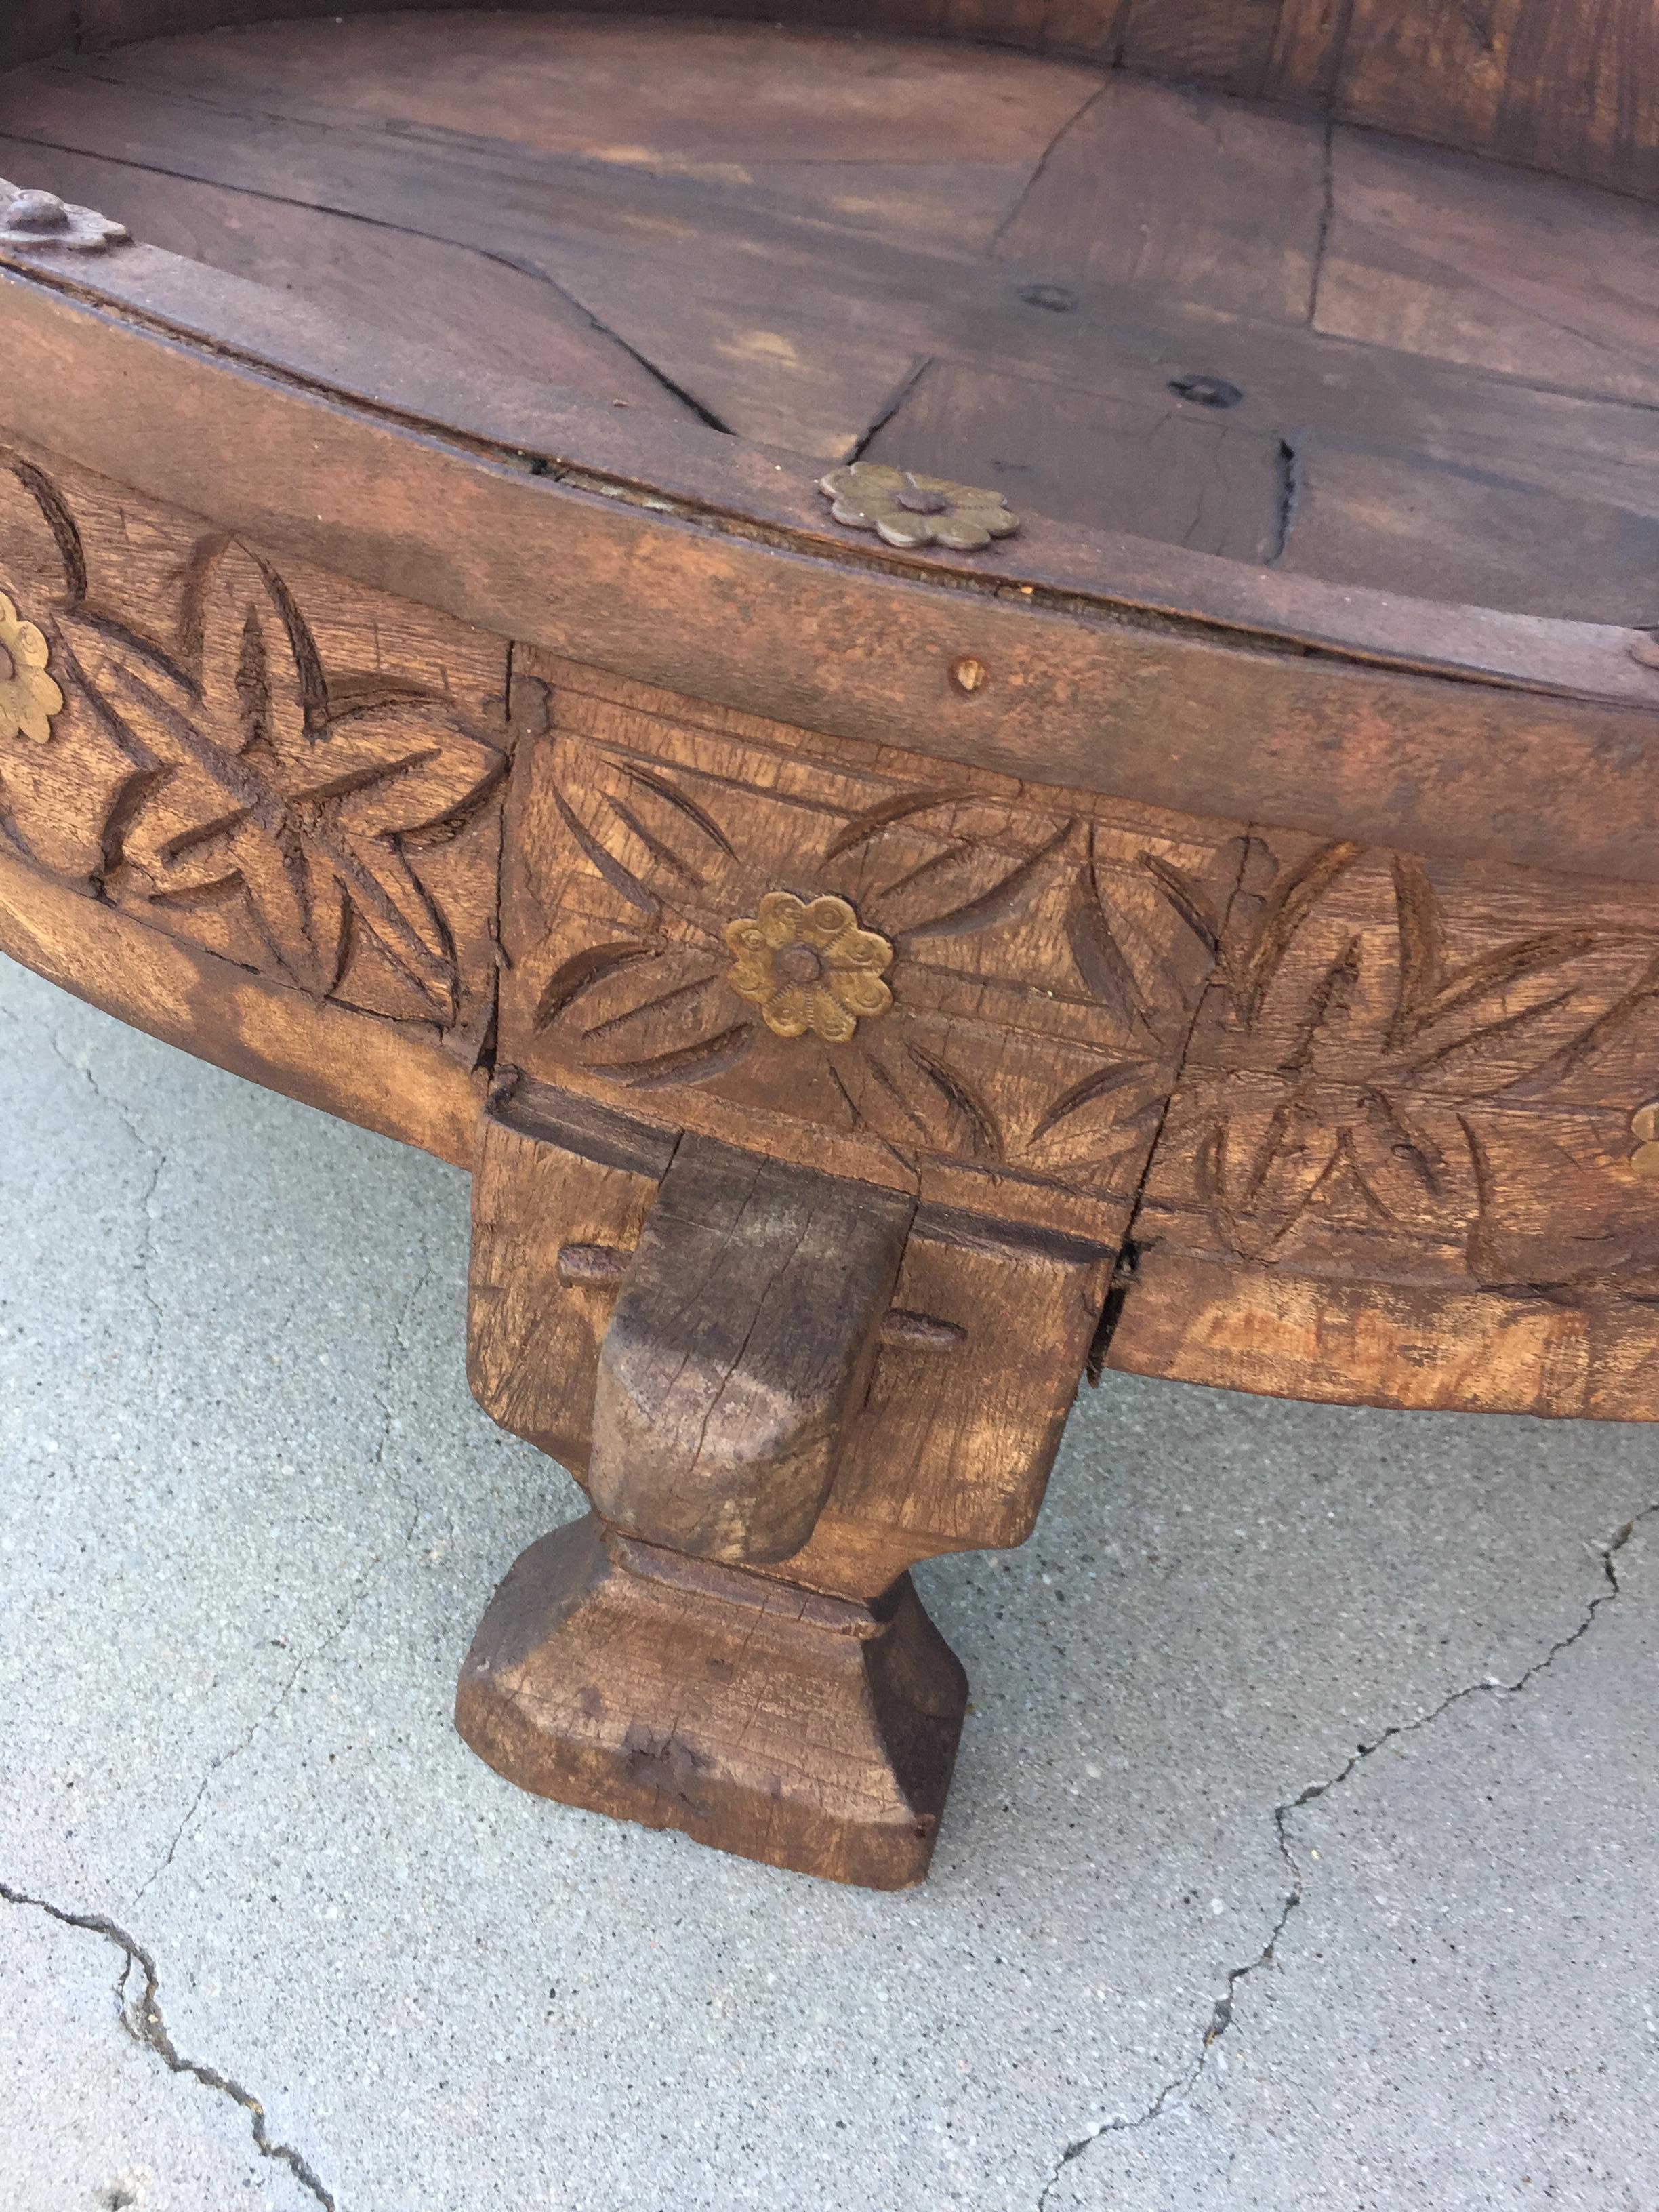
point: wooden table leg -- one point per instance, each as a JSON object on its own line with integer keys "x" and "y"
{"x": 736, "y": 1359}
{"x": 812, "y": 1732}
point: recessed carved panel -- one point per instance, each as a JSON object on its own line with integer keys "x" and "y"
{"x": 1047, "y": 951}
{"x": 1425, "y": 1069}
{"x": 294, "y": 773}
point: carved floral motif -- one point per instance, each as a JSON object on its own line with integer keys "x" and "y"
{"x": 254, "y": 785}
{"x": 1388, "y": 1058}
{"x": 809, "y": 967}
{"x": 29, "y": 696}
{"x": 229, "y": 790}
{"x": 1045, "y": 962}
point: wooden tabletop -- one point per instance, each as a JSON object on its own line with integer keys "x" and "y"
{"x": 1314, "y": 350}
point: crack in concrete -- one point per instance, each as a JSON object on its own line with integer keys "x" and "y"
{"x": 400, "y": 1350}
{"x": 140, "y": 2017}
{"x": 1180, "y": 2086}
{"x": 145, "y": 1262}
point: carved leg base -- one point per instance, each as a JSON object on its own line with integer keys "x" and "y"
{"x": 813, "y": 1732}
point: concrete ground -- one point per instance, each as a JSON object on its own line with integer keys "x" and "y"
{"x": 1301, "y": 1851}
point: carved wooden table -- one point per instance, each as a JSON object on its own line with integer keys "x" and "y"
{"x": 496, "y": 642}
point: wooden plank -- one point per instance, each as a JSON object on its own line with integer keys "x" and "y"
{"x": 975, "y": 1429}
{"x": 1446, "y": 255}
{"x": 780, "y": 337}
{"x": 739, "y": 1353}
{"x": 551, "y": 1173}
{"x": 1172, "y": 712}
{"x": 804, "y": 332}
{"x": 1151, "y": 466}
{"x": 1403, "y": 1143}
{"x": 1361, "y": 516}
{"x": 413, "y": 288}
{"x": 1549, "y": 82}
{"x": 679, "y": 97}
{"x": 1238, "y": 1327}
{"x": 1226, "y": 43}
{"x": 1219, "y": 204}
{"x": 392, "y": 1076}
{"x": 301, "y": 775}
{"x": 1581, "y": 93}
{"x": 1050, "y": 952}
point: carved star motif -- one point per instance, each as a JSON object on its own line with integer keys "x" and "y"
{"x": 253, "y": 784}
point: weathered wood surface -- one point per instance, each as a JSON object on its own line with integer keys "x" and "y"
{"x": 740, "y": 1353}
{"x": 813, "y": 1733}
{"x": 1022, "y": 298}
{"x": 1553, "y": 83}
{"x": 869, "y": 987}
{"x": 948, "y": 1439}
{"x": 295, "y": 788}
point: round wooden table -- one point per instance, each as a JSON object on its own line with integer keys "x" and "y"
{"x": 966, "y": 694}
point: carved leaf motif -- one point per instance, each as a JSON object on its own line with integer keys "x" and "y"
{"x": 641, "y": 832}
{"x": 251, "y": 785}
{"x": 1378, "y": 1034}
{"x": 656, "y": 857}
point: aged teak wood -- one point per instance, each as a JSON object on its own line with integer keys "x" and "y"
{"x": 963, "y": 694}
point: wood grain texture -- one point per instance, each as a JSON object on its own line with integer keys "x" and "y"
{"x": 1463, "y": 261}
{"x": 1144, "y": 464}
{"x": 1160, "y": 237}
{"x": 1559, "y": 84}
{"x": 1208, "y": 986}
{"x": 516, "y": 322}
{"x": 953, "y": 1450}
{"x": 806, "y": 1732}
{"x": 1219, "y": 204}
{"x": 1469, "y": 531}
{"x": 1422, "y": 1078}
{"x": 292, "y": 773}
{"x": 1553, "y": 83}
{"x": 950, "y": 1433}
{"x": 1048, "y": 950}
{"x": 394, "y": 1078}
{"x": 551, "y": 1171}
{"x": 1190, "y": 716}
{"x": 739, "y": 1353}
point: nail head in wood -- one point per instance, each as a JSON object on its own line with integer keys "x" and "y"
{"x": 593, "y": 1267}
{"x": 914, "y": 1331}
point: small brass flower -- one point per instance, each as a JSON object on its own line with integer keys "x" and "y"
{"x": 908, "y": 511}
{"x": 809, "y": 967}
{"x": 28, "y": 697}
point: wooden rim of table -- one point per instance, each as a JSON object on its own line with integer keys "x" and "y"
{"x": 710, "y": 565}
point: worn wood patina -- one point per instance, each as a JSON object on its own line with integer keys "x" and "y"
{"x": 965, "y": 698}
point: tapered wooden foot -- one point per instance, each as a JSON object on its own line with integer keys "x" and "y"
{"x": 810, "y": 1732}
{"x": 780, "y": 1389}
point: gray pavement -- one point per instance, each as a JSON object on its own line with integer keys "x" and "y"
{"x": 1301, "y": 1849}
